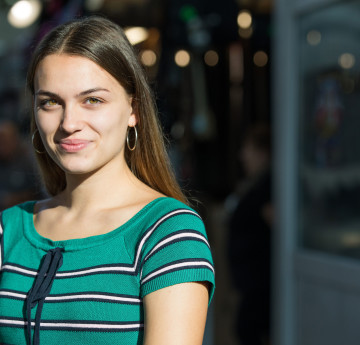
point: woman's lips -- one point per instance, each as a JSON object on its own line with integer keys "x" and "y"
{"x": 73, "y": 145}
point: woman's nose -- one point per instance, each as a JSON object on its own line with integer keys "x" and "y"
{"x": 71, "y": 120}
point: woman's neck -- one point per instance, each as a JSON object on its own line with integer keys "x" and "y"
{"x": 101, "y": 189}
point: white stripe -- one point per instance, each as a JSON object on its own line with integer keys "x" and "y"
{"x": 15, "y": 322}
{"x": 94, "y": 270}
{"x": 72, "y": 274}
{"x": 70, "y": 297}
{"x": 18, "y": 269}
{"x": 12, "y": 294}
{"x": 177, "y": 236}
{"x": 154, "y": 227}
{"x": 94, "y": 296}
{"x": 178, "y": 265}
{"x": 108, "y": 269}
{"x": 73, "y": 325}
{"x": 90, "y": 326}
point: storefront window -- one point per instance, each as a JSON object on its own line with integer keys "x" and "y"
{"x": 329, "y": 168}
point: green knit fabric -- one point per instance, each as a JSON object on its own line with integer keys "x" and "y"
{"x": 96, "y": 296}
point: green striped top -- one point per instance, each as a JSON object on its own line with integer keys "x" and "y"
{"x": 96, "y": 296}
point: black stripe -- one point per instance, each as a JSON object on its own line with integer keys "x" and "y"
{"x": 176, "y": 240}
{"x": 119, "y": 271}
{"x": 184, "y": 211}
{"x": 180, "y": 261}
{"x": 97, "y": 330}
{"x": 94, "y": 273}
{"x": 152, "y": 228}
{"x": 72, "y": 277}
{"x": 177, "y": 268}
{"x": 11, "y": 325}
{"x": 20, "y": 266}
{"x": 98, "y": 266}
{"x": 94, "y": 299}
{"x": 192, "y": 231}
{"x": 110, "y": 294}
{"x": 12, "y": 297}
{"x": 12, "y": 318}
{"x": 79, "y": 299}
{"x": 73, "y": 271}
{"x": 44, "y": 325}
{"x": 16, "y": 272}
{"x": 88, "y": 322}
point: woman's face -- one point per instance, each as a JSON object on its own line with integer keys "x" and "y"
{"x": 82, "y": 113}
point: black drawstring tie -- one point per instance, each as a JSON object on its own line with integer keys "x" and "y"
{"x": 40, "y": 290}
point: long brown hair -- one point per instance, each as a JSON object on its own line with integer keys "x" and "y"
{"x": 104, "y": 42}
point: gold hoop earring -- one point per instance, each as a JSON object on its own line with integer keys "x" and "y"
{"x": 128, "y": 140}
{"x": 32, "y": 141}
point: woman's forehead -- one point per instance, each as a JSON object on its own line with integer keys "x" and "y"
{"x": 73, "y": 72}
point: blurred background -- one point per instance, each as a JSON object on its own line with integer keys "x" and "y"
{"x": 259, "y": 101}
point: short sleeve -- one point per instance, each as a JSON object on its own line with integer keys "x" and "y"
{"x": 177, "y": 251}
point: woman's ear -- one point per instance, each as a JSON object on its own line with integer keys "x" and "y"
{"x": 132, "y": 120}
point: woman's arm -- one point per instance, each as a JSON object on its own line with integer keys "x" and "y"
{"x": 176, "y": 315}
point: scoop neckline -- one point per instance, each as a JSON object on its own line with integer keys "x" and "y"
{"x": 45, "y": 243}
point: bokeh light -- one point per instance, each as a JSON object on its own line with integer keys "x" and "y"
{"x": 24, "y": 13}
{"x": 313, "y": 37}
{"x": 182, "y": 58}
{"x": 148, "y": 57}
{"x": 260, "y": 58}
{"x": 136, "y": 34}
{"x": 211, "y": 58}
{"x": 346, "y": 60}
{"x": 244, "y": 19}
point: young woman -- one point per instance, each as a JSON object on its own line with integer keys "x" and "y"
{"x": 115, "y": 255}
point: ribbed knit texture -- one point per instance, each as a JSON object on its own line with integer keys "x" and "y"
{"x": 96, "y": 296}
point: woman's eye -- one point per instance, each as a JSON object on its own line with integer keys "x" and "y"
{"x": 92, "y": 100}
{"x": 49, "y": 102}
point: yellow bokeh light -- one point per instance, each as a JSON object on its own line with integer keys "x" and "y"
{"x": 260, "y": 58}
{"x": 211, "y": 58}
{"x": 182, "y": 58}
{"x": 244, "y": 19}
{"x": 136, "y": 34}
{"x": 148, "y": 58}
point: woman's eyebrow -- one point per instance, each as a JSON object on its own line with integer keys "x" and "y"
{"x": 46, "y": 93}
{"x": 83, "y": 93}
{"x": 95, "y": 89}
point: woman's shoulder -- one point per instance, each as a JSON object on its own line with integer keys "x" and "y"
{"x": 161, "y": 217}
{"x": 167, "y": 207}
{"x": 26, "y": 206}
{"x": 164, "y": 217}
{"x": 12, "y": 219}
{"x": 171, "y": 203}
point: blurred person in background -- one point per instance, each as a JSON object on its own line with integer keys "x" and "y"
{"x": 249, "y": 243}
{"x": 115, "y": 255}
{"x": 17, "y": 175}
